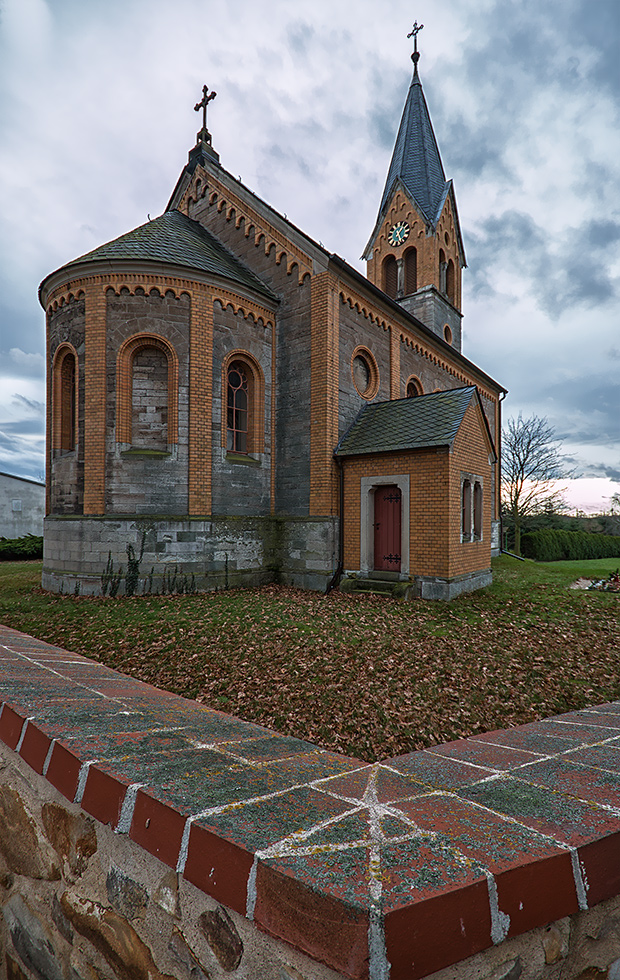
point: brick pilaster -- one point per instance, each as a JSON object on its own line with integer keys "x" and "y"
{"x": 324, "y": 305}
{"x": 94, "y": 399}
{"x": 200, "y": 397}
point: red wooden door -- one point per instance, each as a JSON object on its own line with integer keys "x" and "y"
{"x": 387, "y": 528}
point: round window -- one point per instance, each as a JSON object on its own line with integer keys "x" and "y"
{"x": 365, "y": 373}
{"x": 361, "y": 374}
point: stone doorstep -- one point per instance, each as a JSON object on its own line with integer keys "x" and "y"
{"x": 489, "y": 836}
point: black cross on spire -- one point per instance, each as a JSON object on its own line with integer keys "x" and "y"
{"x": 415, "y": 30}
{"x": 204, "y": 102}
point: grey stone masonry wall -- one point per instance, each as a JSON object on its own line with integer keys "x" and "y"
{"x": 181, "y": 554}
{"x": 78, "y": 901}
{"x": 292, "y": 354}
{"x": 435, "y": 312}
{"x": 22, "y": 506}
{"x": 293, "y": 404}
{"x": 355, "y": 329}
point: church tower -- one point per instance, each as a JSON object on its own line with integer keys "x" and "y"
{"x": 415, "y": 253}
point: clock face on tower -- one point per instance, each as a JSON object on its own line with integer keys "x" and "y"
{"x": 398, "y": 233}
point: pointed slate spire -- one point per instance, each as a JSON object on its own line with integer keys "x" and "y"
{"x": 416, "y": 160}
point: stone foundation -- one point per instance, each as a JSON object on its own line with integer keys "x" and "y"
{"x": 187, "y": 554}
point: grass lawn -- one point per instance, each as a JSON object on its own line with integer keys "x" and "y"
{"x": 363, "y": 675}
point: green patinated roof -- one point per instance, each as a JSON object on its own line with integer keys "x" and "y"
{"x": 178, "y": 240}
{"x": 407, "y": 423}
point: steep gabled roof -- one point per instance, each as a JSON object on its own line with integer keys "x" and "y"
{"x": 416, "y": 160}
{"x": 409, "y": 423}
{"x": 416, "y": 166}
{"x": 175, "y": 239}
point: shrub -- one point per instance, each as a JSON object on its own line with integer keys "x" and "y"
{"x": 27, "y": 548}
{"x": 550, "y": 544}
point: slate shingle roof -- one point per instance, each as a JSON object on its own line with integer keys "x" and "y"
{"x": 416, "y": 160}
{"x": 407, "y": 423}
{"x": 176, "y": 239}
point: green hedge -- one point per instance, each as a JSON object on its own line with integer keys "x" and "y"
{"x": 550, "y": 544}
{"x": 21, "y": 549}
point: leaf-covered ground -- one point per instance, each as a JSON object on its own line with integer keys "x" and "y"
{"x": 367, "y": 676}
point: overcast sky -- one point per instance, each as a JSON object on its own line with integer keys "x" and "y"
{"x": 96, "y": 117}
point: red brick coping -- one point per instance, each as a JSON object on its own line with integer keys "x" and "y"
{"x": 393, "y": 870}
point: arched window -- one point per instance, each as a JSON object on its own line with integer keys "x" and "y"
{"x": 411, "y": 271}
{"x": 243, "y": 399}
{"x": 64, "y": 399}
{"x": 450, "y": 281}
{"x": 390, "y": 276}
{"x": 466, "y": 511}
{"x": 149, "y": 398}
{"x": 477, "y": 511}
{"x": 442, "y": 271}
{"x": 414, "y": 388}
{"x": 237, "y": 406}
{"x": 147, "y": 393}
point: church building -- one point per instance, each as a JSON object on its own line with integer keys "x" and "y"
{"x": 230, "y": 404}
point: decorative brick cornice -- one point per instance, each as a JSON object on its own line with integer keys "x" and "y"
{"x": 409, "y": 339}
{"x": 248, "y": 308}
{"x": 203, "y": 184}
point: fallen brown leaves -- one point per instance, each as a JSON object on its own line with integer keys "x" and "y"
{"x": 363, "y": 675}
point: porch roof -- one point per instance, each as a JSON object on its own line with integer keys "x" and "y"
{"x": 407, "y": 423}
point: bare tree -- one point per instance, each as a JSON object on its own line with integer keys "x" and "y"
{"x": 531, "y": 466}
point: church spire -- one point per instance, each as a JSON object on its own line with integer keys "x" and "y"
{"x": 415, "y": 253}
{"x": 416, "y": 160}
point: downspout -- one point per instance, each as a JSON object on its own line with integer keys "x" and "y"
{"x": 498, "y": 441}
{"x": 340, "y": 567}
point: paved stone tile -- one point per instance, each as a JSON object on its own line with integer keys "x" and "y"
{"x": 495, "y": 757}
{"x": 270, "y": 748}
{"x": 439, "y": 773}
{"x": 564, "y": 818}
{"x": 264, "y": 823}
{"x": 574, "y": 779}
{"x": 378, "y": 782}
{"x": 527, "y": 737}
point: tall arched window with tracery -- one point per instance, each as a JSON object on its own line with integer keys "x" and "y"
{"x": 237, "y": 407}
{"x": 390, "y": 276}
{"x": 64, "y": 397}
{"x": 243, "y": 398}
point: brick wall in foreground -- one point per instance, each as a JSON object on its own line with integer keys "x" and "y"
{"x": 143, "y": 835}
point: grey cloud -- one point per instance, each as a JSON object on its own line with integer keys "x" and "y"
{"x": 601, "y": 33}
{"x": 559, "y": 279}
{"x": 299, "y": 37}
{"x": 35, "y": 407}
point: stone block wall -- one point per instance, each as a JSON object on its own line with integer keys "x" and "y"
{"x": 201, "y": 553}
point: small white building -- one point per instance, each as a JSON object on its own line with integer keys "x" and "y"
{"x": 22, "y": 506}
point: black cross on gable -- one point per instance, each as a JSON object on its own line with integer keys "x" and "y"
{"x": 204, "y": 102}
